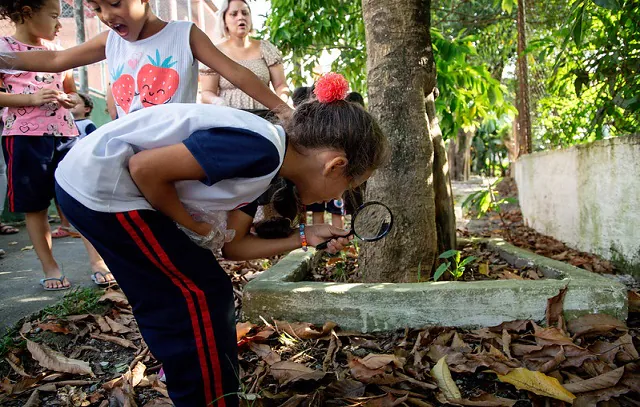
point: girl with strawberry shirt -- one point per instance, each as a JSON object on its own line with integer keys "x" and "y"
{"x": 151, "y": 61}
{"x": 38, "y": 129}
{"x": 138, "y": 211}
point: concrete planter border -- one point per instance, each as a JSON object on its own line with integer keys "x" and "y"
{"x": 280, "y": 293}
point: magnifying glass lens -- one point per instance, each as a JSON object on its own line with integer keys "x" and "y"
{"x": 372, "y": 222}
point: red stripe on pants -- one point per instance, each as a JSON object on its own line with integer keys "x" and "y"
{"x": 190, "y": 304}
{"x": 9, "y": 146}
{"x": 202, "y": 302}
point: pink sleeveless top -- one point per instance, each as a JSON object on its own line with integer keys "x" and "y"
{"x": 50, "y": 119}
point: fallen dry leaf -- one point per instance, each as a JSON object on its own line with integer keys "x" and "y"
{"x": 373, "y": 361}
{"x": 115, "y": 296}
{"x": 117, "y": 327}
{"x": 34, "y": 400}
{"x": 243, "y": 328}
{"x": 53, "y": 360}
{"x": 265, "y": 352}
{"x": 634, "y": 301}
{"x": 332, "y": 351}
{"x": 603, "y": 381}
{"x": 346, "y": 388}
{"x": 384, "y": 400}
{"x": 595, "y": 324}
{"x": 538, "y": 383}
{"x": 125, "y": 343}
{"x": 485, "y": 400}
{"x": 484, "y": 269}
{"x": 287, "y": 372}
{"x": 555, "y": 307}
{"x": 591, "y": 399}
{"x": 442, "y": 375}
{"x": 159, "y": 402}
{"x": 51, "y": 327}
{"x": 303, "y": 330}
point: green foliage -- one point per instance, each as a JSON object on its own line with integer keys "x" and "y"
{"x": 455, "y": 267}
{"x": 594, "y": 80}
{"x": 469, "y": 95}
{"x": 77, "y": 301}
{"x": 303, "y": 29}
{"x": 485, "y": 200}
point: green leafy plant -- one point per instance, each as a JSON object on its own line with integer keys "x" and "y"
{"x": 486, "y": 200}
{"x": 456, "y": 267}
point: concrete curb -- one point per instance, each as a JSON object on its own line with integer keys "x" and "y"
{"x": 279, "y": 293}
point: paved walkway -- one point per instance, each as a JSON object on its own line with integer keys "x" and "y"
{"x": 20, "y": 273}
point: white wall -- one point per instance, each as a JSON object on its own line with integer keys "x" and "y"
{"x": 587, "y": 196}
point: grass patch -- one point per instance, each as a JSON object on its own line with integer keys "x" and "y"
{"x": 77, "y": 301}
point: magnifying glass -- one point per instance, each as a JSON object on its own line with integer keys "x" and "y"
{"x": 372, "y": 221}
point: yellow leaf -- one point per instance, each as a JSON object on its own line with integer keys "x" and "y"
{"x": 441, "y": 373}
{"x": 538, "y": 383}
{"x": 484, "y": 269}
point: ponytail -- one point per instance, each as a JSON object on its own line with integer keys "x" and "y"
{"x": 286, "y": 203}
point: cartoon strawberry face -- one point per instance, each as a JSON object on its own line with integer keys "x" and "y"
{"x": 123, "y": 89}
{"x": 157, "y": 82}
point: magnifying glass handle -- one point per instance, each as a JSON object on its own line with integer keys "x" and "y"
{"x": 324, "y": 244}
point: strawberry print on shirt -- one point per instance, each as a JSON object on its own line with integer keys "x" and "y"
{"x": 123, "y": 88}
{"x": 154, "y": 71}
{"x": 157, "y": 82}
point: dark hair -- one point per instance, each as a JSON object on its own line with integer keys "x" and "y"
{"x": 13, "y": 10}
{"x": 86, "y": 99}
{"x": 300, "y": 95}
{"x": 355, "y": 97}
{"x": 340, "y": 125}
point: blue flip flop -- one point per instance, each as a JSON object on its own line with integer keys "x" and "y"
{"x": 105, "y": 283}
{"x": 61, "y": 280}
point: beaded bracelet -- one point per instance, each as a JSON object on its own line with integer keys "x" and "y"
{"x": 303, "y": 237}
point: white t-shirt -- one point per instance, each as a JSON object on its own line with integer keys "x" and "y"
{"x": 153, "y": 71}
{"x": 239, "y": 152}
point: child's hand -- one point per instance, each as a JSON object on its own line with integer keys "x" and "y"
{"x": 283, "y": 112}
{"x": 67, "y": 101}
{"x": 43, "y": 96}
{"x": 317, "y": 234}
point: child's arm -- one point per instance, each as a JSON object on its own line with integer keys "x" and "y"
{"x": 246, "y": 246}
{"x": 156, "y": 180}
{"x": 245, "y": 80}
{"x": 87, "y": 53}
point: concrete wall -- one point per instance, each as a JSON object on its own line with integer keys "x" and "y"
{"x": 587, "y": 196}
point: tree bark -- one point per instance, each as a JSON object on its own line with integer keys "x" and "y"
{"x": 461, "y": 153}
{"x": 445, "y": 215}
{"x": 522, "y": 93}
{"x": 78, "y": 13}
{"x": 399, "y": 68}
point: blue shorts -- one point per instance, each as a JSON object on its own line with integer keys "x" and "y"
{"x": 330, "y": 207}
{"x": 31, "y": 164}
{"x": 181, "y": 298}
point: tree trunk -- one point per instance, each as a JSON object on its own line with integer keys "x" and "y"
{"x": 445, "y": 215}
{"x": 78, "y": 13}
{"x": 522, "y": 94}
{"x": 400, "y": 66}
{"x": 462, "y": 155}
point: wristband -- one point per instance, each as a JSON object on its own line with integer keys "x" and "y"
{"x": 303, "y": 238}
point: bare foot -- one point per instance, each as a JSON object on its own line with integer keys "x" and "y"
{"x": 53, "y": 284}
